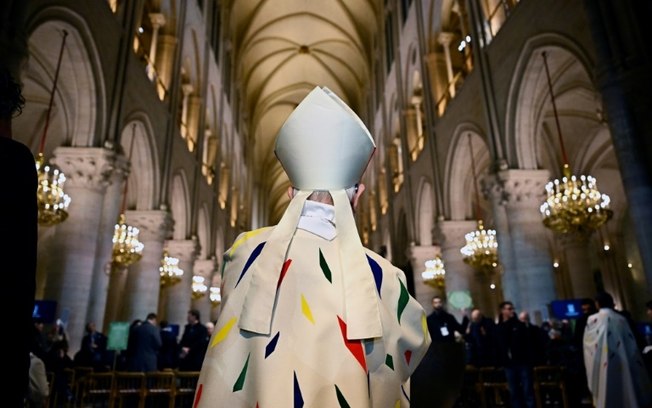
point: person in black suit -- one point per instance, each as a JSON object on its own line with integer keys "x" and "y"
{"x": 147, "y": 343}
{"x": 192, "y": 350}
{"x": 19, "y": 214}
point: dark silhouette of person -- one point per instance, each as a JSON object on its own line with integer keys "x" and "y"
{"x": 146, "y": 342}
{"x": 93, "y": 349}
{"x": 192, "y": 350}
{"x": 19, "y": 215}
{"x": 481, "y": 338}
{"x": 168, "y": 356}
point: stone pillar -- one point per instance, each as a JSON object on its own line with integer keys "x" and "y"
{"x": 437, "y": 72}
{"x": 167, "y": 45}
{"x": 418, "y": 255}
{"x": 524, "y": 191}
{"x": 445, "y": 40}
{"x": 186, "y": 89}
{"x": 507, "y": 275}
{"x": 115, "y": 306}
{"x": 74, "y": 246}
{"x": 576, "y": 251}
{"x": 205, "y": 268}
{"x": 143, "y": 280}
{"x": 178, "y": 296}
{"x": 625, "y": 90}
{"x": 192, "y": 121}
{"x": 459, "y": 275}
{"x": 158, "y": 21}
{"x": 101, "y": 269}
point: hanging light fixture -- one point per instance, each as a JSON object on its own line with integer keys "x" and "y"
{"x": 199, "y": 288}
{"x": 481, "y": 249}
{"x": 52, "y": 201}
{"x": 215, "y": 296}
{"x": 169, "y": 270}
{"x": 127, "y": 249}
{"x": 574, "y": 204}
{"x": 435, "y": 274}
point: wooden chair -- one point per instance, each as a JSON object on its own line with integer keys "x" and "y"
{"x": 471, "y": 390}
{"x": 79, "y": 373}
{"x": 129, "y": 388}
{"x": 549, "y": 382}
{"x": 184, "y": 390}
{"x": 159, "y": 387}
{"x": 493, "y": 382}
{"x": 96, "y": 389}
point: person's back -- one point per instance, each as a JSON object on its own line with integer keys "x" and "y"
{"x": 309, "y": 317}
{"x": 147, "y": 342}
{"x": 614, "y": 366}
{"x": 169, "y": 352}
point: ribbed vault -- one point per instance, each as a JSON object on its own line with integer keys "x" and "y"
{"x": 283, "y": 49}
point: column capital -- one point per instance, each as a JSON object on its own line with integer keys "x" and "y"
{"x": 154, "y": 225}
{"x": 452, "y": 232}
{"x": 184, "y": 249}
{"x": 418, "y": 252}
{"x": 205, "y": 268}
{"x": 157, "y": 19}
{"x": 187, "y": 89}
{"x": 445, "y": 38}
{"x": 524, "y": 187}
{"x": 86, "y": 167}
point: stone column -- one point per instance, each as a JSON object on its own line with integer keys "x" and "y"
{"x": 167, "y": 45}
{"x": 445, "y": 40}
{"x": 192, "y": 121}
{"x": 158, "y": 21}
{"x": 143, "y": 281}
{"x": 178, "y": 296}
{"x": 524, "y": 191}
{"x": 437, "y": 72}
{"x": 74, "y": 246}
{"x": 576, "y": 251}
{"x": 186, "y": 89}
{"x": 205, "y": 268}
{"x": 459, "y": 275}
{"x": 418, "y": 255}
{"x": 101, "y": 269}
{"x": 507, "y": 274}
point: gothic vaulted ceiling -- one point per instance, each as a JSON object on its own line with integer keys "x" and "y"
{"x": 281, "y": 50}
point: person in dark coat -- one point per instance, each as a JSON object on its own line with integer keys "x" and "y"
{"x": 93, "y": 349}
{"x": 19, "y": 215}
{"x": 515, "y": 355}
{"x": 481, "y": 338}
{"x": 438, "y": 379}
{"x": 192, "y": 341}
{"x": 168, "y": 355}
{"x": 147, "y": 343}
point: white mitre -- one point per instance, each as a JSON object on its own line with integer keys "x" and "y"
{"x": 323, "y": 145}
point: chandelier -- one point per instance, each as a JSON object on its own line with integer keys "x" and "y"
{"x": 127, "y": 249}
{"x": 52, "y": 201}
{"x": 574, "y": 204}
{"x": 169, "y": 270}
{"x": 435, "y": 274}
{"x": 481, "y": 249}
{"x": 215, "y": 296}
{"x": 199, "y": 288}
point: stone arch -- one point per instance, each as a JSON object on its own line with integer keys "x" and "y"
{"x": 459, "y": 179}
{"x": 528, "y": 93}
{"x": 180, "y": 205}
{"x": 425, "y": 212}
{"x": 78, "y": 116}
{"x": 144, "y": 177}
{"x": 203, "y": 232}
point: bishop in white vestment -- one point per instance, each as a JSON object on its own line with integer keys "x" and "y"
{"x": 309, "y": 317}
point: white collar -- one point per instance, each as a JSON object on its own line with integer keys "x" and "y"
{"x": 318, "y": 218}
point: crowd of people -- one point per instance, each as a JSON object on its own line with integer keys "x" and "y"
{"x": 151, "y": 346}
{"x": 517, "y": 345}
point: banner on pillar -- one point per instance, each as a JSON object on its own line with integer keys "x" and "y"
{"x": 460, "y": 299}
{"x": 118, "y": 336}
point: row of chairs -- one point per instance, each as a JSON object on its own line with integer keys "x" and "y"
{"x": 86, "y": 387}
{"x": 487, "y": 387}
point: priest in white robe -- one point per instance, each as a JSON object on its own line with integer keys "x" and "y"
{"x": 310, "y": 317}
{"x": 614, "y": 366}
